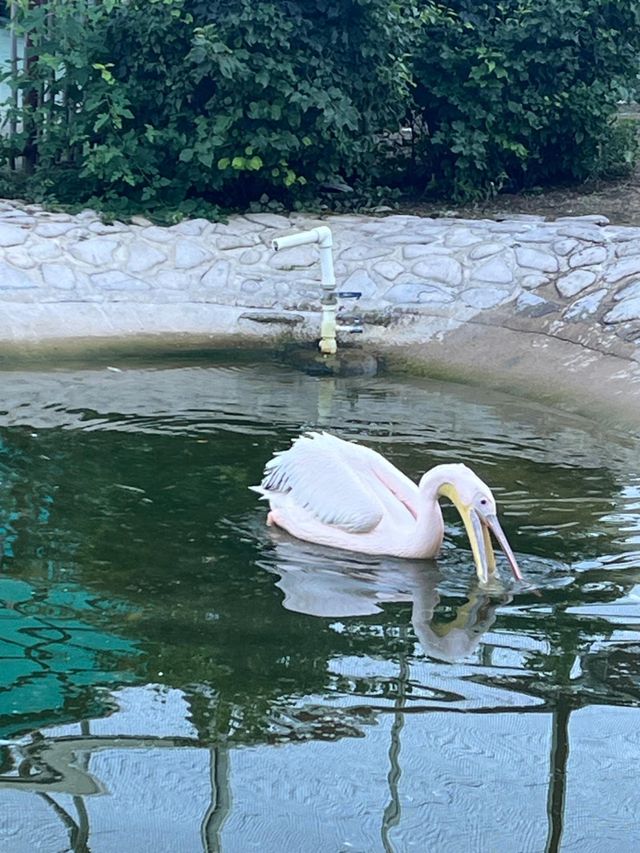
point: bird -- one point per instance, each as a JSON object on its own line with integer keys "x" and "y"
{"x": 339, "y": 493}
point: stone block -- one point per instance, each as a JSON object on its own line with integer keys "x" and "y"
{"x": 217, "y": 276}
{"x": 143, "y": 257}
{"x": 460, "y": 238}
{"x": 14, "y": 279}
{"x": 622, "y": 269}
{"x": 12, "y": 235}
{"x": 533, "y": 280}
{"x": 389, "y": 269}
{"x": 18, "y": 257}
{"x": 45, "y": 251}
{"x": 536, "y": 259}
{"x": 586, "y": 306}
{"x": 486, "y": 297}
{"x": 424, "y": 250}
{"x": 250, "y": 256}
{"x": 494, "y": 271}
{"x": 440, "y": 268}
{"x": 630, "y": 290}
{"x": 190, "y": 254}
{"x": 97, "y": 251}
{"x": 227, "y": 242}
{"x": 118, "y": 280}
{"x": 364, "y": 252}
{"x": 587, "y": 233}
{"x": 575, "y": 282}
{"x": 565, "y": 246}
{"x": 57, "y": 229}
{"x": 268, "y": 220}
{"x": 485, "y": 250}
{"x": 589, "y": 256}
{"x": 359, "y": 281}
{"x": 59, "y": 276}
{"x": 414, "y": 293}
{"x": 532, "y": 305}
{"x": 296, "y": 258}
{"x": 625, "y": 310}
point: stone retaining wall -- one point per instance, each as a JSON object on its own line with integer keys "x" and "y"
{"x": 448, "y": 290}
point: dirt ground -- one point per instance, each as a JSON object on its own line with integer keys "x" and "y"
{"x": 618, "y": 200}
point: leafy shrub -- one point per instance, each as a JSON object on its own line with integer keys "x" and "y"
{"x": 164, "y": 100}
{"x": 513, "y": 93}
{"x": 187, "y": 105}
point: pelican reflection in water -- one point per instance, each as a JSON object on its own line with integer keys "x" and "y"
{"x": 338, "y": 493}
{"x": 315, "y": 583}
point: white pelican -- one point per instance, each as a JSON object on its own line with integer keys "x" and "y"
{"x": 345, "y": 495}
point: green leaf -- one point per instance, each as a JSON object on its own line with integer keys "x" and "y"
{"x": 206, "y": 158}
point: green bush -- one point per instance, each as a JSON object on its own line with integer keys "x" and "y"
{"x": 176, "y": 104}
{"x": 163, "y": 101}
{"x": 515, "y": 93}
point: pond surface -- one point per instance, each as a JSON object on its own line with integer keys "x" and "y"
{"x": 177, "y": 677}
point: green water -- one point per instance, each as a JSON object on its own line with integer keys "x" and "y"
{"x": 176, "y": 677}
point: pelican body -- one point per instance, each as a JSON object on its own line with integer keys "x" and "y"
{"x": 345, "y": 495}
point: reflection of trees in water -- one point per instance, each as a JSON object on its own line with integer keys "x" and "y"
{"x": 148, "y": 528}
{"x": 144, "y": 529}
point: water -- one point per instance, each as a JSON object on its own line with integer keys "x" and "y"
{"x": 176, "y": 677}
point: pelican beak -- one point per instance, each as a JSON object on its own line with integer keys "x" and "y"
{"x": 490, "y": 522}
{"x": 478, "y": 523}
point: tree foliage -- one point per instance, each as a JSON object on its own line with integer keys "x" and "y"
{"x": 226, "y": 99}
{"x": 171, "y": 102}
{"x": 522, "y": 92}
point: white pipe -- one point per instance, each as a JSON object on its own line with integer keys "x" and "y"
{"x": 328, "y": 344}
{"x": 323, "y": 237}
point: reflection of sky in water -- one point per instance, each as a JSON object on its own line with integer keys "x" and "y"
{"x": 388, "y": 705}
{"x": 441, "y": 782}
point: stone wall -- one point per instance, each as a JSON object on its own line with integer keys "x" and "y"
{"x": 512, "y": 298}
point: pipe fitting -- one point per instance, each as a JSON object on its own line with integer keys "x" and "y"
{"x": 324, "y": 239}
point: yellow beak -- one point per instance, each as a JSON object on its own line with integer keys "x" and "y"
{"x": 478, "y": 525}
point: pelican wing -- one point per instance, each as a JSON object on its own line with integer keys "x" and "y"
{"x": 397, "y": 484}
{"x": 342, "y": 484}
{"x": 327, "y": 480}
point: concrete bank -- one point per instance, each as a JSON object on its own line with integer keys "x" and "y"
{"x": 551, "y": 307}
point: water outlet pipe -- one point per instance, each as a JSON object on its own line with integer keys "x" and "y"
{"x": 329, "y": 302}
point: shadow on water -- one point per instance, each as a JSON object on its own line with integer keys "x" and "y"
{"x": 155, "y": 637}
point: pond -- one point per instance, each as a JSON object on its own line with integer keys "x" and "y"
{"x": 177, "y": 677}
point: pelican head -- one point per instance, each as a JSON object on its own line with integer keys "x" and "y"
{"x": 477, "y": 507}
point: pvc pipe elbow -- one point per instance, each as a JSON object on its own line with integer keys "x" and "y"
{"x": 325, "y": 237}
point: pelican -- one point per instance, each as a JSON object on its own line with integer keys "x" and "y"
{"x": 345, "y": 495}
